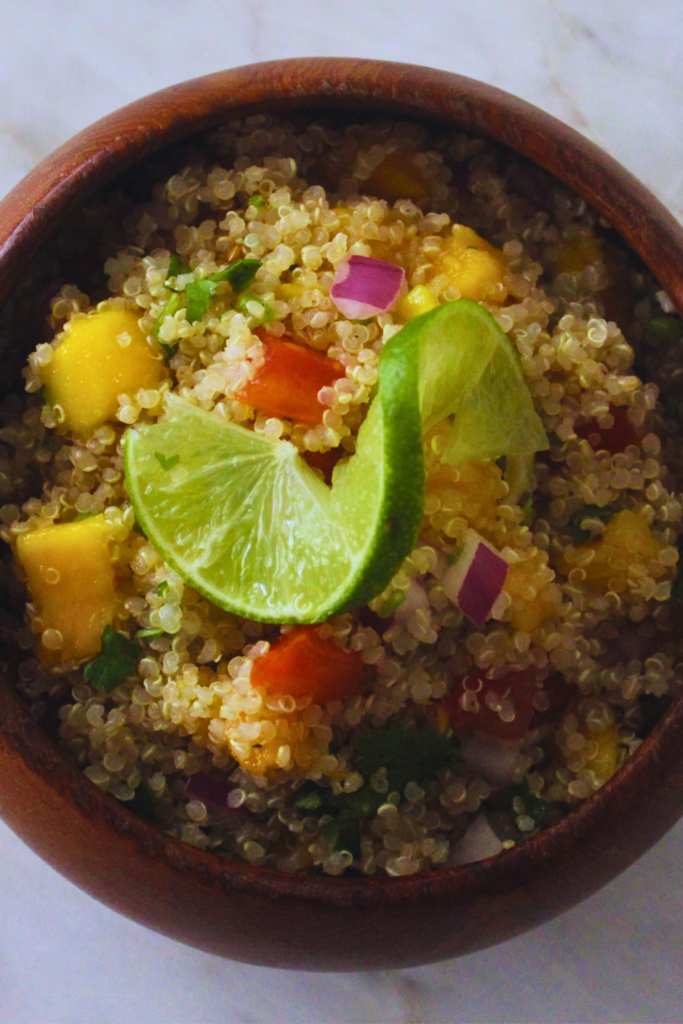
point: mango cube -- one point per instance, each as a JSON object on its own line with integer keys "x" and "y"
{"x": 102, "y": 356}
{"x": 626, "y": 540}
{"x": 473, "y": 266}
{"x": 418, "y": 300}
{"x": 605, "y": 762}
{"x": 70, "y": 574}
{"x": 575, "y": 256}
{"x": 531, "y": 594}
{"x": 395, "y": 178}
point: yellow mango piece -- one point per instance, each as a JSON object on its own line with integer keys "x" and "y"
{"x": 102, "y": 356}
{"x": 605, "y": 762}
{"x": 395, "y": 178}
{"x": 288, "y": 290}
{"x": 531, "y": 594}
{"x": 473, "y": 266}
{"x": 418, "y": 300}
{"x": 70, "y": 574}
{"x": 626, "y": 540}
{"x": 577, "y": 255}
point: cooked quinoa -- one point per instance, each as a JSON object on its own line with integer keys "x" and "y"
{"x": 585, "y": 612}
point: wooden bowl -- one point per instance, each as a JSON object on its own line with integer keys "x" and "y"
{"x": 253, "y": 914}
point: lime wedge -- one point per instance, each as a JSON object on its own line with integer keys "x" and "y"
{"x": 470, "y": 371}
{"x": 247, "y": 522}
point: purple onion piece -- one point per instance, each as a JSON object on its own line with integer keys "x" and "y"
{"x": 476, "y": 580}
{"x": 364, "y": 287}
{"x": 208, "y": 789}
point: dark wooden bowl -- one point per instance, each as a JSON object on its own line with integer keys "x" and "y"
{"x": 253, "y": 914}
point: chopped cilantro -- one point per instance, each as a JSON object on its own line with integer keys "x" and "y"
{"x": 176, "y": 266}
{"x": 668, "y": 329}
{"x": 145, "y": 802}
{"x": 198, "y": 295}
{"x": 242, "y": 305}
{"x": 167, "y": 461}
{"x": 257, "y": 201}
{"x": 240, "y": 274}
{"x": 171, "y": 307}
{"x": 391, "y": 604}
{"x": 534, "y": 807}
{"x": 162, "y": 588}
{"x": 589, "y": 512}
{"x": 408, "y": 754}
{"x": 142, "y": 633}
{"x": 309, "y": 801}
{"x": 116, "y": 661}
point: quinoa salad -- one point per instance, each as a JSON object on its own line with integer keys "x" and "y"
{"x": 426, "y": 727}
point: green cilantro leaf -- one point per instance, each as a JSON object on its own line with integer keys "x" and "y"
{"x": 116, "y": 661}
{"x": 145, "y": 802}
{"x": 162, "y": 588}
{"x": 142, "y": 633}
{"x": 198, "y": 295}
{"x": 257, "y": 201}
{"x": 668, "y": 329}
{"x": 177, "y": 266}
{"x": 534, "y": 807}
{"x": 309, "y": 801}
{"x": 171, "y": 307}
{"x": 589, "y": 512}
{"x": 247, "y": 297}
{"x": 240, "y": 274}
{"x": 167, "y": 461}
{"x": 408, "y": 754}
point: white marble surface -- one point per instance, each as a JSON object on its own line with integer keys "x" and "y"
{"x": 612, "y": 69}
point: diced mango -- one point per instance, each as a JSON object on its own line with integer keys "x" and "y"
{"x": 288, "y": 290}
{"x": 70, "y": 574}
{"x": 395, "y": 178}
{"x": 604, "y": 763}
{"x": 418, "y": 300}
{"x": 473, "y": 266}
{"x": 575, "y": 256}
{"x": 531, "y": 594}
{"x": 626, "y": 540}
{"x": 102, "y": 356}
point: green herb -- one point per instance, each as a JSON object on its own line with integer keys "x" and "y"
{"x": 83, "y": 515}
{"x": 169, "y": 351}
{"x": 142, "y": 633}
{"x": 668, "y": 329}
{"x": 245, "y": 298}
{"x": 408, "y": 754}
{"x": 589, "y": 512}
{"x": 116, "y": 661}
{"x": 309, "y": 801}
{"x": 171, "y": 307}
{"x": 554, "y": 440}
{"x": 167, "y": 461}
{"x": 343, "y": 833}
{"x": 257, "y": 201}
{"x": 534, "y": 807}
{"x": 145, "y": 802}
{"x": 198, "y": 295}
{"x": 177, "y": 266}
{"x": 240, "y": 274}
{"x": 162, "y": 588}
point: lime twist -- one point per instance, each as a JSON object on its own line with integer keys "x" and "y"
{"x": 244, "y": 520}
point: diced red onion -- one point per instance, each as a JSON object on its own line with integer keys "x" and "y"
{"x": 364, "y": 287}
{"x": 495, "y": 759}
{"x": 478, "y": 843}
{"x": 477, "y": 578}
{"x": 208, "y": 789}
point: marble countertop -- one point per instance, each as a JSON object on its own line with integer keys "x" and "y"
{"x": 613, "y": 71}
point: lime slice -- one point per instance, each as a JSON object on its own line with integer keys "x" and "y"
{"x": 244, "y": 519}
{"x": 470, "y": 371}
{"x": 247, "y": 522}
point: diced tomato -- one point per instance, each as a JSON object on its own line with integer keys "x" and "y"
{"x": 288, "y": 383}
{"x": 559, "y": 695}
{"x": 612, "y": 439}
{"x": 518, "y": 688}
{"x": 301, "y": 663}
{"x": 324, "y": 461}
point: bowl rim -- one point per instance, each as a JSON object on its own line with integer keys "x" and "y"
{"x": 40, "y": 203}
